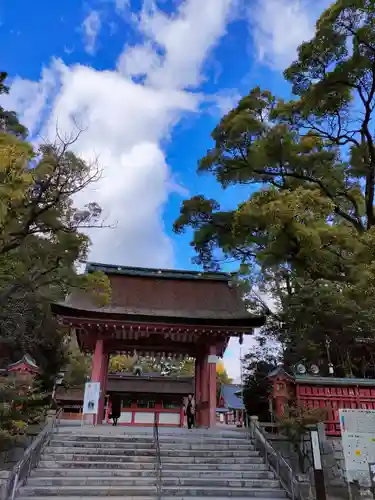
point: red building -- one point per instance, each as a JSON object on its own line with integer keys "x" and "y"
{"x": 26, "y": 365}
{"x": 141, "y": 398}
{"x": 161, "y": 312}
{"x": 327, "y": 393}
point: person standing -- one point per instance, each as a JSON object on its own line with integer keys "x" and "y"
{"x": 190, "y": 411}
{"x": 115, "y": 410}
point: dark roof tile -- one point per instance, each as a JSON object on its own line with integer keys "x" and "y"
{"x": 231, "y": 400}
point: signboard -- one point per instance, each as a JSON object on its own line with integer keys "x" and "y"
{"x": 212, "y": 359}
{"x": 316, "y": 450}
{"x": 91, "y": 398}
{"x": 372, "y": 475}
{"x": 358, "y": 442}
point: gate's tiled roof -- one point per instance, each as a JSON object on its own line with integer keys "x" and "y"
{"x": 167, "y": 294}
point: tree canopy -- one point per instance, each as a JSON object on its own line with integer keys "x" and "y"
{"x": 42, "y": 238}
{"x": 305, "y": 234}
{"x": 121, "y": 363}
{"x": 21, "y": 405}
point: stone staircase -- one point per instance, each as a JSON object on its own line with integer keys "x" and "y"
{"x": 194, "y": 464}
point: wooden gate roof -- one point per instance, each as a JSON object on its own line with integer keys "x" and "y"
{"x": 144, "y": 294}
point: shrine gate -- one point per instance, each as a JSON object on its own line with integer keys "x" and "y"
{"x": 161, "y": 312}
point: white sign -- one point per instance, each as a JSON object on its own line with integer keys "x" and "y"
{"x": 358, "y": 442}
{"x": 316, "y": 450}
{"x": 91, "y": 398}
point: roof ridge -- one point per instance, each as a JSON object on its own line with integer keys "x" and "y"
{"x": 156, "y": 271}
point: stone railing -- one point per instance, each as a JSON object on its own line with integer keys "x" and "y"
{"x": 11, "y": 480}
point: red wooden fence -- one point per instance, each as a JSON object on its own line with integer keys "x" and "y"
{"x": 333, "y": 398}
{"x": 329, "y": 393}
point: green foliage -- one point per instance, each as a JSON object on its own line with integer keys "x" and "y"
{"x": 306, "y": 233}
{"x": 78, "y": 366}
{"x": 20, "y": 406}
{"x": 122, "y": 363}
{"x": 257, "y": 365}
{"x": 42, "y": 238}
{"x": 8, "y": 119}
{"x": 295, "y": 425}
{"x": 28, "y": 327}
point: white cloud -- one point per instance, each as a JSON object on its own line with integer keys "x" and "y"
{"x": 122, "y": 4}
{"x": 124, "y": 125}
{"x": 91, "y": 28}
{"x": 278, "y": 27}
{"x": 181, "y": 40}
{"x": 127, "y": 123}
{"x": 29, "y": 98}
{"x": 138, "y": 61}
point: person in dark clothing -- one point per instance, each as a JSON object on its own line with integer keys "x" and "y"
{"x": 115, "y": 410}
{"x": 190, "y": 411}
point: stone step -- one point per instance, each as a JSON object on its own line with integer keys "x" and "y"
{"x": 207, "y": 447}
{"x": 185, "y": 459}
{"x": 95, "y": 472}
{"x": 110, "y": 481}
{"x": 103, "y": 444}
{"x": 83, "y": 457}
{"x": 100, "y": 451}
{"x": 214, "y": 482}
{"x": 102, "y": 439}
{"x": 120, "y": 464}
{"x": 82, "y": 473}
{"x": 136, "y": 491}
{"x": 182, "y": 452}
{"x": 211, "y": 460}
{"x": 219, "y": 454}
{"x": 124, "y": 444}
{"x": 206, "y": 467}
{"x": 142, "y": 482}
{"x": 227, "y": 493}
{"x": 86, "y": 491}
{"x": 126, "y": 497}
{"x": 190, "y": 438}
{"x": 69, "y": 465}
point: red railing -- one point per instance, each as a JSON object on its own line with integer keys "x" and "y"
{"x": 333, "y": 398}
{"x": 153, "y": 414}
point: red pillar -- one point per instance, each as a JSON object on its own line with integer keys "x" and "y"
{"x": 103, "y": 388}
{"x": 99, "y": 368}
{"x": 211, "y": 369}
{"x": 197, "y": 396}
{"x": 203, "y": 414}
{"x": 97, "y": 361}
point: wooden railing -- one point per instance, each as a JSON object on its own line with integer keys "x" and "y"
{"x": 333, "y": 398}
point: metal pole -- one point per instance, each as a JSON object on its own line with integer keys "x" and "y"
{"x": 15, "y": 483}
{"x": 240, "y": 340}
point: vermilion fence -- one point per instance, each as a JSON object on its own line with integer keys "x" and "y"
{"x": 341, "y": 394}
{"x": 328, "y": 393}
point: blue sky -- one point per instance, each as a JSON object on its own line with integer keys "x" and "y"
{"x": 147, "y": 80}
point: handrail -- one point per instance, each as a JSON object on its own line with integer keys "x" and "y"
{"x": 275, "y": 461}
{"x": 158, "y": 457}
{"x": 21, "y": 471}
